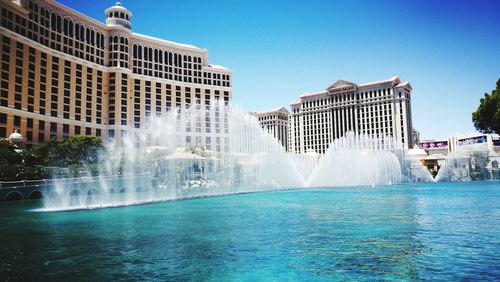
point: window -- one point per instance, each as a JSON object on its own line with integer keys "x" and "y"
{"x": 17, "y": 121}
{"x": 53, "y": 127}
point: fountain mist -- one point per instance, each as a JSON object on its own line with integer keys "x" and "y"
{"x": 167, "y": 162}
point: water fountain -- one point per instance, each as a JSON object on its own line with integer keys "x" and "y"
{"x": 358, "y": 160}
{"x": 161, "y": 164}
{"x": 470, "y": 162}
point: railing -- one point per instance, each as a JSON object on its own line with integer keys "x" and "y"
{"x": 54, "y": 181}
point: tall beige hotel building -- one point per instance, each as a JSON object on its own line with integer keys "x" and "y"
{"x": 63, "y": 74}
{"x": 380, "y": 108}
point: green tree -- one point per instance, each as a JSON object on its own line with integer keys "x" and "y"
{"x": 76, "y": 150}
{"x": 73, "y": 153}
{"x": 487, "y": 116}
{"x": 8, "y": 154}
{"x": 49, "y": 153}
{"x": 82, "y": 149}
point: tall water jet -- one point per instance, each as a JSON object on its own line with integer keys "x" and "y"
{"x": 167, "y": 161}
{"x": 414, "y": 169}
{"x": 262, "y": 159}
{"x": 455, "y": 168}
{"x": 473, "y": 158}
{"x": 358, "y": 160}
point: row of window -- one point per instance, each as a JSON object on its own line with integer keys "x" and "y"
{"x": 64, "y": 34}
{"x": 74, "y": 38}
{"x": 50, "y": 97}
{"x": 44, "y": 130}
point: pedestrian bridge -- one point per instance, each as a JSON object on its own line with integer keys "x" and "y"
{"x": 37, "y": 189}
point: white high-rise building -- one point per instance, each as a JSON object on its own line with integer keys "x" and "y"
{"x": 276, "y": 123}
{"x": 381, "y": 108}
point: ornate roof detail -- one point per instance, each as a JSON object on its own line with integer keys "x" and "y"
{"x": 281, "y": 109}
{"x": 405, "y": 85}
{"x": 118, "y": 16}
{"x": 393, "y": 80}
{"x": 341, "y": 84}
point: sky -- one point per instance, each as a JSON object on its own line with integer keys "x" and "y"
{"x": 449, "y": 51}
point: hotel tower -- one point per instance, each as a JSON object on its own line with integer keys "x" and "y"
{"x": 64, "y": 73}
{"x": 381, "y": 108}
{"x": 276, "y": 123}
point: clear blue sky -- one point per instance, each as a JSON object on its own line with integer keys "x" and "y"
{"x": 448, "y": 50}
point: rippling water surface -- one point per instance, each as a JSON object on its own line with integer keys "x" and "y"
{"x": 445, "y": 231}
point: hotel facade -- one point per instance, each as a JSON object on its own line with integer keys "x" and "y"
{"x": 276, "y": 123}
{"x": 381, "y": 108}
{"x": 63, "y": 74}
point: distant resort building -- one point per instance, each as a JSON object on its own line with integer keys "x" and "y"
{"x": 432, "y": 153}
{"x": 471, "y": 149}
{"x": 276, "y": 122}
{"x": 381, "y": 108}
{"x": 64, "y": 73}
{"x": 470, "y": 142}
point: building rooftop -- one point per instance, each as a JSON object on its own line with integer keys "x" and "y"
{"x": 281, "y": 109}
{"x": 394, "y": 79}
{"x": 312, "y": 94}
{"x": 218, "y": 67}
{"x": 147, "y": 37}
{"x": 176, "y": 44}
{"x": 344, "y": 83}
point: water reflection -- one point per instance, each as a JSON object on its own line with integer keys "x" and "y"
{"x": 438, "y": 232}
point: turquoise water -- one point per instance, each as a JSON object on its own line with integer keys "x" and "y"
{"x": 444, "y": 231}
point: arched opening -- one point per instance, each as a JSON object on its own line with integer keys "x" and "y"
{"x": 102, "y": 41}
{"x": 66, "y": 26}
{"x": 494, "y": 164}
{"x": 53, "y": 21}
{"x": 112, "y": 191}
{"x": 14, "y": 196}
{"x": 123, "y": 190}
{"x": 75, "y": 192}
{"x": 82, "y": 35}
{"x": 98, "y": 40}
{"x": 91, "y": 198}
{"x": 92, "y": 192}
{"x": 87, "y": 35}
{"x": 77, "y": 31}
{"x": 70, "y": 28}
{"x": 139, "y": 189}
{"x": 53, "y": 194}
{"x": 59, "y": 23}
{"x": 35, "y": 195}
